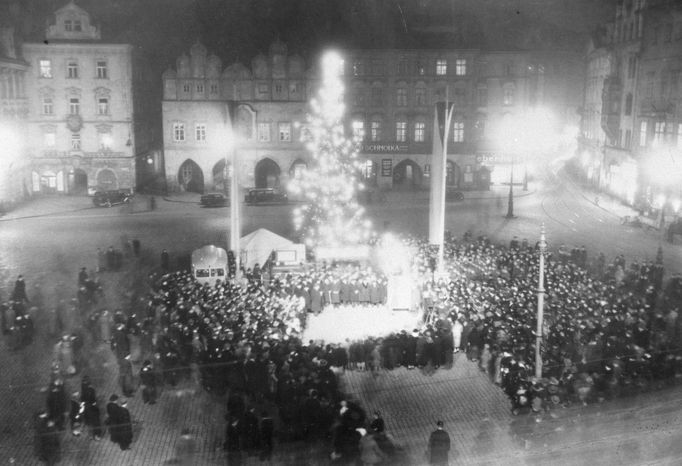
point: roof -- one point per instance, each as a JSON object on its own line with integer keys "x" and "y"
{"x": 259, "y": 245}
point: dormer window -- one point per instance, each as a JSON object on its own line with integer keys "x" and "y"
{"x": 77, "y": 26}
{"x": 68, "y": 25}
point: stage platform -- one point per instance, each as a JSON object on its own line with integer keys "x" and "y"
{"x": 335, "y": 324}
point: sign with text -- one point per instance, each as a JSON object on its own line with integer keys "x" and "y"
{"x": 386, "y": 167}
{"x": 492, "y": 158}
{"x": 385, "y": 148}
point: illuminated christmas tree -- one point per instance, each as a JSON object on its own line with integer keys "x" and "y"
{"x": 331, "y": 215}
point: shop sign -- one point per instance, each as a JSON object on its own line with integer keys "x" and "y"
{"x": 493, "y": 158}
{"x": 386, "y": 148}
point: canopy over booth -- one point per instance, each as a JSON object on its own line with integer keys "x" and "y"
{"x": 257, "y": 246}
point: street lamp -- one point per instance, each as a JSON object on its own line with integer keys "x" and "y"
{"x": 510, "y": 201}
{"x": 541, "y": 302}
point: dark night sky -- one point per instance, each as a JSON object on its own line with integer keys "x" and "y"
{"x": 239, "y": 29}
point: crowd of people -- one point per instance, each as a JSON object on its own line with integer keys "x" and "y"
{"x": 610, "y": 328}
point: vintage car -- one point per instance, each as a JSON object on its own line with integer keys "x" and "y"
{"x": 265, "y": 196}
{"x": 214, "y": 200}
{"x": 110, "y": 198}
{"x": 452, "y": 194}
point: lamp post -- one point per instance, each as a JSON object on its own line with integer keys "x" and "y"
{"x": 510, "y": 201}
{"x": 235, "y": 219}
{"x": 541, "y": 303}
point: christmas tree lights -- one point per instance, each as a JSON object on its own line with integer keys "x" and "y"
{"x": 330, "y": 215}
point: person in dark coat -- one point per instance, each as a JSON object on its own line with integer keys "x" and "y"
{"x": 267, "y": 430}
{"x": 57, "y": 403}
{"x": 165, "y": 260}
{"x": 114, "y": 419}
{"x": 77, "y": 414}
{"x": 439, "y": 446}
{"x": 126, "y": 429}
{"x": 47, "y": 440}
{"x": 232, "y": 440}
{"x": 19, "y": 293}
{"x": 91, "y": 414}
{"x": 377, "y": 424}
{"x": 251, "y": 432}
{"x": 125, "y": 377}
{"x": 148, "y": 381}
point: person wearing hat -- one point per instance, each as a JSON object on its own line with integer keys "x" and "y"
{"x": 19, "y": 293}
{"x": 91, "y": 414}
{"x": 126, "y": 427}
{"x": 439, "y": 446}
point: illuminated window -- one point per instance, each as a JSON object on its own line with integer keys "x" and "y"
{"x": 264, "y": 132}
{"x": 458, "y": 131}
{"x": 102, "y": 69}
{"x": 74, "y": 106}
{"x": 441, "y": 67}
{"x": 375, "y": 131}
{"x": 75, "y": 141}
{"x": 401, "y": 97}
{"x": 45, "y": 68}
{"x": 105, "y": 141}
{"x": 659, "y": 132}
{"x": 358, "y": 129}
{"x": 401, "y": 131}
{"x": 103, "y": 106}
{"x": 49, "y": 139}
{"x": 178, "y": 132}
{"x": 419, "y": 131}
{"x": 72, "y": 70}
{"x": 460, "y": 67}
{"x": 642, "y": 133}
{"x": 48, "y": 106}
{"x": 200, "y": 132}
{"x": 285, "y": 132}
{"x": 508, "y": 96}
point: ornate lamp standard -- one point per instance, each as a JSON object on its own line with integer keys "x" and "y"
{"x": 541, "y": 303}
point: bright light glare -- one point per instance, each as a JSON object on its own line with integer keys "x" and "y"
{"x": 392, "y": 255}
{"x": 10, "y": 145}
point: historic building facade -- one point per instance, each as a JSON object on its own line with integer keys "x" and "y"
{"x": 631, "y": 130}
{"x": 13, "y": 111}
{"x": 83, "y": 124}
{"x": 391, "y": 96}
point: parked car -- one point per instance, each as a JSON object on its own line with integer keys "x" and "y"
{"x": 109, "y": 198}
{"x": 452, "y": 194}
{"x": 264, "y": 196}
{"x": 214, "y": 200}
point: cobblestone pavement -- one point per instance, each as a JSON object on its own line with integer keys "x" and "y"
{"x": 50, "y": 240}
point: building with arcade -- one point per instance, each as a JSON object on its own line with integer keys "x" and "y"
{"x": 390, "y": 98}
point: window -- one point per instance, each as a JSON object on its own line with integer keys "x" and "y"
{"x": 278, "y": 88}
{"x": 401, "y": 97}
{"x": 375, "y": 131}
{"x": 359, "y": 97}
{"x": 401, "y": 131}
{"x": 200, "y": 88}
{"x": 103, "y": 106}
{"x": 460, "y": 97}
{"x": 420, "y": 96}
{"x": 358, "y": 127}
{"x": 72, "y": 70}
{"x": 264, "y": 132}
{"x": 458, "y": 131}
{"x": 105, "y": 140}
{"x": 186, "y": 88}
{"x": 68, "y": 25}
{"x": 369, "y": 171}
{"x": 77, "y": 26}
{"x": 214, "y": 89}
{"x": 419, "y": 131}
{"x": 200, "y": 132}
{"x": 659, "y": 132}
{"x": 262, "y": 88}
{"x": 460, "y": 67}
{"x": 628, "y": 104}
{"x": 508, "y": 96}
{"x": 649, "y": 87}
{"x": 178, "y": 132}
{"x": 441, "y": 67}
{"x": 49, "y": 139}
{"x": 632, "y": 66}
{"x": 74, "y": 106}
{"x": 642, "y": 133}
{"x": 75, "y": 141}
{"x": 403, "y": 66}
{"x": 377, "y": 97}
{"x": 358, "y": 68}
{"x": 48, "y": 106}
{"x": 45, "y": 68}
{"x": 482, "y": 96}
{"x": 421, "y": 69}
{"x": 285, "y": 132}
{"x": 101, "y": 68}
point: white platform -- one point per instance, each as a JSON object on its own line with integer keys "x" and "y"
{"x": 336, "y": 324}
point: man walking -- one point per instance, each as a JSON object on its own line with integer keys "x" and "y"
{"x": 439, "y": 446}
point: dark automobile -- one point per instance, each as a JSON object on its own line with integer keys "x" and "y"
{"x": 452, "y": 194}
{"x": 214, "y": 200}
{"x": 264, "y": 196}
{"x": 109, "y": 198}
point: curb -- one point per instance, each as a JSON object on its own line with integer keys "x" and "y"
{"x": 178, "y": 201}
